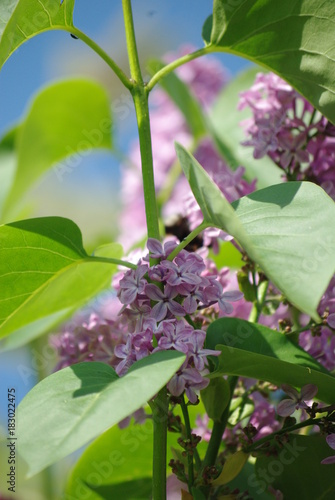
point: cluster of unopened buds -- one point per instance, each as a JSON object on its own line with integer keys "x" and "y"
{"x": 157, "y": 302}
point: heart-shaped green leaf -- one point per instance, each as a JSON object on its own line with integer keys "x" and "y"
{"x": 20, "y": 20}
{"x": 65, "y": 120}
{"x": 76, "y": 404}
{"x": 45, "y": 274}
{"x": 275, "y": 227}
{"x": 255, "y": 351}
{"x": 293, "y": 39}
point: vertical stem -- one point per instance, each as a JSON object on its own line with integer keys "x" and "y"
{"x": 189, "y": 437}
{"x": 142, "y": 113}
{"x": 159, "y": 409}
{"x": 258, "y": 305}
{"x": 140, "y": 97}
{"x": 218, "y": 429}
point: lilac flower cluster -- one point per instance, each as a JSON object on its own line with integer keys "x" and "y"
{"x": 156, "y": 300}
{"x": 89, "y": 337}
{"x": 322, "y": 344}
{"x": 290, "y": 131}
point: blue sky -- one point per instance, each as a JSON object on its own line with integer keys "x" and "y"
{"x": 55, "y": 54}
{"x": 161, "y": 26}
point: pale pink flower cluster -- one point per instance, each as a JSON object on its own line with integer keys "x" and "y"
{"x": 287, "y": 128}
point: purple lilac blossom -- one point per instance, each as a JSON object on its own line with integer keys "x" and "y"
{"x": 156, "y": 313}
{"x": 290, "y": 131}
{"x": 331, "y": 442}
{"x": 89, "y": 337}
{"x": 297, "y": 400}
{"x": 263, "y": 417}
{"x": 322, "y": 345}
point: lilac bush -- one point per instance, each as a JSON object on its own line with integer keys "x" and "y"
{"x": 206, "y": 343}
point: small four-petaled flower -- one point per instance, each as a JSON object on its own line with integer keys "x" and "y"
{"x": 297, "y": 400}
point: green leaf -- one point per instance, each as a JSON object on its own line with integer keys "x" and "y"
{"x": 117, "y": 457}
{"x": 293, "y": 39}
{"x": 216, "y": 397}
{"x": 216, "y": 210}
{"x": 7, "y": 165}
{"x": 255, "y": 351}
{"x": 86, "y": 399}
{"x": 134, "y": 489}
{"x": 20, "y": 20}
{"x": 296, "y": 470}
{"x": 45, "y": 274}
{"x": 292, "y": 232}
{"x": 246, "y": 481}
{"x": 228, "y": 256}
{"x": 232, "y": 467}
{"x": 181, "y": 95}
{"x": 274, "y": 226}
{"x": 228, "y": 134}
{"x": 65, "y": 120}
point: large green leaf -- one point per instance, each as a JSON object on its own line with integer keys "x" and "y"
{"x": 181, "y": 95}
{"x": 292, "y": 231}
{"x": 255, "y": 351}
{"x": 296, "y": 470}
{"x": 20, "y": 20}
{"x": 117, "y": 457}
{"x": 228, "y": 134}
{"x": 288, "y": 229}
{"x": 293, "y": 39}
{"x": 65, "y": 119}
{"x": 45, "y": 273}
{"x": 76, "y": 404}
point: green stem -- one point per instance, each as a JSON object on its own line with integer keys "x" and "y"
{"x": 188, "y": 240}
{"x": 285, "y": 430}
{"x": 159, "y": 409}
{"x": 218, "y": 429}
{"x": 258, "y": 305}
{"x": 175, "y": 64}
{"x": 118, "y": 262}
{"x": 189, "y": 438}
{"x": 94, "y": 46}
{"x": 140, "y": 97}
